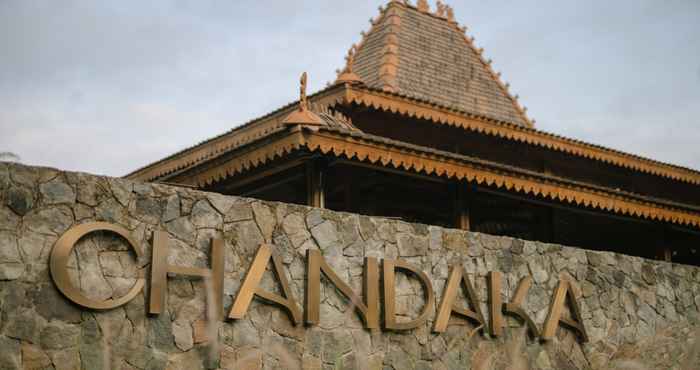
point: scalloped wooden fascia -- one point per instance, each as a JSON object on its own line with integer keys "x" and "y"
{"x": 406, "y": 106}
{"x": 414, "y": 160}
{"x": 256, "y": 130}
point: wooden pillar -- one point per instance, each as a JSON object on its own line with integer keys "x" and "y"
{"x": 668, "y": 255}
{"x": 663, "y": 250}
{"x": 463, "y": 195}
{"x": 348, "y": 192}
{"x": 546, "y": 221}
{"x": 314, "y": 183}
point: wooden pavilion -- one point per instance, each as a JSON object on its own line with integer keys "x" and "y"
{"x": 420, "y": 127}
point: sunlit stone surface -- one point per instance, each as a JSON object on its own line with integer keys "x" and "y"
{"x": 639, "y": 314}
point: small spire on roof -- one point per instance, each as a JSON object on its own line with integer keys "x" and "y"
{"x": 302, "y": 115}
{"x": 303, "y": 103}
{"x": 441, "y": 10}
{"x": 423, "y": 6}
{"x": 347, "y": 75}
{"x": 450, "y": 13}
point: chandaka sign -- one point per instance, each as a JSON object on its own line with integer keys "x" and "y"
{"x": 378, "y": 277}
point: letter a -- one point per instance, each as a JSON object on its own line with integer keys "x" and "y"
{"x": 556, "y": 311}
{"x": 447, "y": 304}
{"x": 251, "y": 287}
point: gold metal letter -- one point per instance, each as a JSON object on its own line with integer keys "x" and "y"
{"x": 514, "y": 308}
{"x": 251, "y": 287}
{"x": 447, "y": 305}
{"x": 556, "y": 310}
{"x": 160, "y": 269}
{"x": 368, "y": 310}
{"x": 389, "y": 267}
{"x": 61, "y": 253}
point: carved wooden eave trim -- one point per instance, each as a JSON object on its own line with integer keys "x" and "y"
{"x": 247, "y": 159}
{"x": 242, "y": 135}
{"x": 395, "y": 103}
{"x": 411, "y": 158}
{"x": 415, "y": 159}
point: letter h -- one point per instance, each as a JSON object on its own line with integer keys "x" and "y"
{"x": 160, "y": 269}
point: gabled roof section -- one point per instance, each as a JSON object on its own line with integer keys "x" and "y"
{"x": 427, "y": 56}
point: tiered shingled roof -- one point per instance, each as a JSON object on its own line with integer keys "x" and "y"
{"x": 403, "y": 66}
{"x": 416, "y": 53}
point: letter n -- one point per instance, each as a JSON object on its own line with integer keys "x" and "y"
{"x": 368, "y": 310}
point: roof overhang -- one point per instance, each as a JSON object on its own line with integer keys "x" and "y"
{"x": 411, "y": 107}
{"x": 396, "y": 155}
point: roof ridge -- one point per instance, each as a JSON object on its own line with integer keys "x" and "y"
{"x": 390, "y": 52}
{"x": 488, "y": 63}
{"x": 376, "y": 59}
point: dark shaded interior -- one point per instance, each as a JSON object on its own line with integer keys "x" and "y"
{"x": 368, "y": 190}
{"x": 517, "y": 154}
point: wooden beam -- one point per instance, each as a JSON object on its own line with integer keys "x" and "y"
{"x": 575, "y": 209}
{"x": 271, "y": 185}
{"x": 315, "y": 183}
{"x": 380, "y": 168}
{"x": 545, "y": 218}
{"x": 235, "y": 184}
{"x": 664, "y": 252}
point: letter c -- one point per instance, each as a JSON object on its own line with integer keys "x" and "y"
{"x": 59, "y": 260}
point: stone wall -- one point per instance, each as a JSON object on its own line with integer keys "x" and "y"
{"x": 638, "y": 313}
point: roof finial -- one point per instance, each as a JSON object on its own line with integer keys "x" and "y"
{"x": 450, "y": 13}
{"x": 350, "y": 58}
{"x": 347, "y": 75}
{"x": 441, "y": 9}
{"x": 302, "y": 115}
{"x": 423, "y": 6}
{"x": 303, "y": 104}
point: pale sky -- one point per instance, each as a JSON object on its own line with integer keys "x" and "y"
{"x": 109, "y": 86}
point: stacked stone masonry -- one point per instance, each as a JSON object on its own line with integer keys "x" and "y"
{"x": 639, "y": 314}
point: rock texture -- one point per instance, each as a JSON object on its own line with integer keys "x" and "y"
{"x": 640, "y": 314}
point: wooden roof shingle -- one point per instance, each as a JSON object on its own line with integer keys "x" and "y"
{"x": 413, "y": 52}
